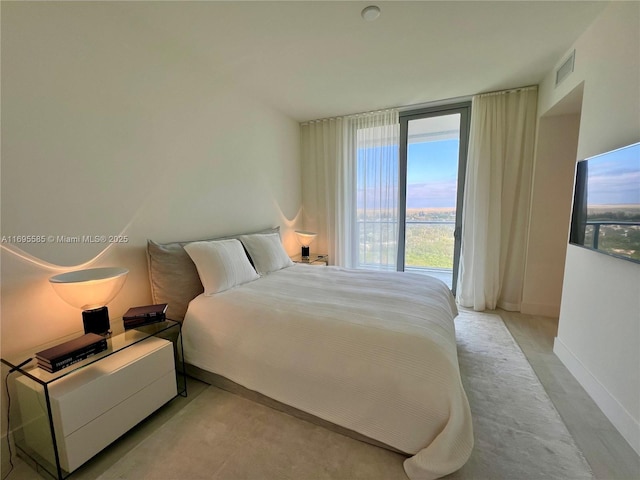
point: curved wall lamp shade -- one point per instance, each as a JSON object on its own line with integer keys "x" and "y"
{"x": 304, "y": 239}
{"x": 91, "y": 290}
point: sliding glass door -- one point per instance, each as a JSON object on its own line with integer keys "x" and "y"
{"x": 433, "y": 152}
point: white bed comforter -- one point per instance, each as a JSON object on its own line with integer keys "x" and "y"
{"x": 372, "y": 352}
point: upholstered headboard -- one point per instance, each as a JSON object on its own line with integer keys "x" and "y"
{"x": 173, "y": 275}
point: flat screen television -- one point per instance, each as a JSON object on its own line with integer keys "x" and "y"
{"x": 606, "y": 203}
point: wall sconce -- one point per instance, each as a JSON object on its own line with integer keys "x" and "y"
{"x": 305, "y": 239}
{"x": 91, "y": 290}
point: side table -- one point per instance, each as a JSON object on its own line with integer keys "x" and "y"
{"x": 62, "y": 419}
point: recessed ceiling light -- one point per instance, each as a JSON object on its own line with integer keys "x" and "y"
{"x": 370, "y": 13}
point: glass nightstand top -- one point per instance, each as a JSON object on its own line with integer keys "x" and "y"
{"x": 313, "y": 258}
{"x": 117, "y": 341}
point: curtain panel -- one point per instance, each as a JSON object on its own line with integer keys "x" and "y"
{"x": 322, "y": 143}
{"x": 373, "y": 141}
{"x": 349, "y": 166}
{"x": 497, "y": 199}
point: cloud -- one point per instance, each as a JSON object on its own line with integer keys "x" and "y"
{"x": 614, "y": 187}
{"x": 431, "y": 194}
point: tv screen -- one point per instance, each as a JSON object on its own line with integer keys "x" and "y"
{"x": 606, "y": 203}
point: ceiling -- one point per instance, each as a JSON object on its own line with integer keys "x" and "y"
{"x": 316, "y": 59}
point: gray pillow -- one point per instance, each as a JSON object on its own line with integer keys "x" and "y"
{"x": 173, "y": 275}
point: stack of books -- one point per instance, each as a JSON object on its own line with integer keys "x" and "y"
{"x": 144, "y": 315}
{"x": 73, "y": 351}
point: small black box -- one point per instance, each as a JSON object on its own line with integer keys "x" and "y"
{"x": 96, "y": 321}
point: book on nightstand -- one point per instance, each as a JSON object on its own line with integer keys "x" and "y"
{"x": 144, "y": 315}
{"x": 73, "y": 351}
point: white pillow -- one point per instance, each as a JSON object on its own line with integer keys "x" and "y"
{"x": 266, "y": 252}
{"x": 221, "y": 264}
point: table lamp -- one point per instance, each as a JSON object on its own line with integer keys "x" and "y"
{"x": 305, "y": 239}
{"x": 91, "y": 290}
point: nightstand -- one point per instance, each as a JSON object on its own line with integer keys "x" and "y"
{"x": 314, "y": 259}
{"x": 62, "y": 419}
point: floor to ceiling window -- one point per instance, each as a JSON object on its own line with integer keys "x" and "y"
{"x": 409, "y": 193}
{"x": 433, "y": 152}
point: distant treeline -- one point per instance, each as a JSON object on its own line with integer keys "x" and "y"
{"x": 620, "y": 215}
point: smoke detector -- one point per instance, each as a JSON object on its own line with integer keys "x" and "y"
{"x": 370, "y": 13}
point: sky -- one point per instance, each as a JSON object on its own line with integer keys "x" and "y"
{"x": 614, "y": 177}
{"x": 432, "y": 171}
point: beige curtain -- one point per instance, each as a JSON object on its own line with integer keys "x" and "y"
{"x": 322, "y": 158}
{"x": 346, "y": 161}
{"x": 373, "y": 140}
{"x": 496, "y": 200}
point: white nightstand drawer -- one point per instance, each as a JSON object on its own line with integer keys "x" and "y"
{"x": 85, "y": 442}
{"x": 82, "y": 396}
{"x": 95, "y": 405}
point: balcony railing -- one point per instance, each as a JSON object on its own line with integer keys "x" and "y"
{"x": 428, "y": 244}
{"x": 592, "y": 236}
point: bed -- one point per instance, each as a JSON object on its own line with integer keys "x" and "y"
{"x": 371, "y": 352}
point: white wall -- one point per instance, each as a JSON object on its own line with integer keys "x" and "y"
{"x": 108, "y": 130}
{"x": 550, "y": 213}
{"x": 599, "y": 332}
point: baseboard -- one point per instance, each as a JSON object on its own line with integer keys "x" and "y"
{"x": 540, "y": 309}
{"x": 628, "y": 426}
